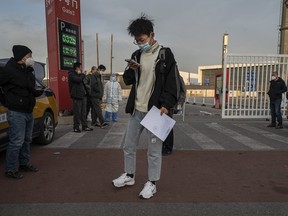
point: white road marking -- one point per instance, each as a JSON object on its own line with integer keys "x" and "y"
{"x": 251, "y": 143}
{"x": 67, "y": 140}
{"x": 263, "y": 133}
{"x": 201, "y": 140}
{"x": 114, "y": 137}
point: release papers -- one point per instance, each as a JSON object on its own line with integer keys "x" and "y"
{"x": 159, "y": 125}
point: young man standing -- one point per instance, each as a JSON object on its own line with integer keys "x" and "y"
{"x": 95, "y": 88}
{"x": 18, "y": 82}
{"x": 147, "y": 91}
{"x": 277, "y": 88}
{"x": 78, "y": 94}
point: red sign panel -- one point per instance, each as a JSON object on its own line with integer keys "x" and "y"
{"x": 63, "y": 23}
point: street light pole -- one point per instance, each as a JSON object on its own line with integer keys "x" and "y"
{"x": 111, "y": 57}
{"x": 222, "y": 94}
{"x": 224, "y": 48}
{"x": 97, "y": 50}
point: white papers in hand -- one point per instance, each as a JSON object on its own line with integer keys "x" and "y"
{"x": 159, "y": 125}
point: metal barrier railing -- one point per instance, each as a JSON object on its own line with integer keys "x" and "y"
{"x": 246, "y": 81}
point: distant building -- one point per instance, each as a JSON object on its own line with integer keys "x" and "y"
{"x": 189, "y": 78}
{"x": 206, "y": 74}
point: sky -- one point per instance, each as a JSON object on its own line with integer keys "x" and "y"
{"x": 192, "y": 29}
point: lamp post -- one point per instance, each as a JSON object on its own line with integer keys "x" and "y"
{"x": 222, "y": 94}
{"x": 97, "y": 50}
{"x": 224, "y": 48}
{"x": 111, "y": 57}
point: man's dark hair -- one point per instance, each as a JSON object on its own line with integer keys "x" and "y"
{"x": 76, "y": 65}
{"x": 101, "y": 67}
{"x": 141, "y": 25}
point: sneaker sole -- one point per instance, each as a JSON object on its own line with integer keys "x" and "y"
{"x": 148, "y": 197}
{"x": 122, "y": 185}
{"x": 13, "y": 177}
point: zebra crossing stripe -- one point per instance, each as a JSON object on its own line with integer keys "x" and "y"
{"x": 201, "y": 140}
{"x": 114, "y": 137}
{"x": 263, "y": 133}
{"x": 67, "y": 140}
{"x": 251, "y": 143}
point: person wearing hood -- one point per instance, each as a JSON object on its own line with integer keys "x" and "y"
{"x": 276, "y": 89}
{"x": 111, "y": 97}
{"x": 18, "y": 82}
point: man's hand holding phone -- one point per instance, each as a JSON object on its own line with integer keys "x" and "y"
{"x": 132, "y": 64}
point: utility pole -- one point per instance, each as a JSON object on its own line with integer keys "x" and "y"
{"x": 224, "y": 48}
{"x": 111, "y": 57}
{"x": 97, "y": 50}
{"x": 283, "y": 46}
{"x": 222, "y": 92}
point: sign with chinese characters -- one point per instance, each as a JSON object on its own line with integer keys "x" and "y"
{"x": 63, "y": 24}
{"x": 250, "y": 81}
{"x": 69, "y": 48}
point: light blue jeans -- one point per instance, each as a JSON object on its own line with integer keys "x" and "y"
{"x": 154, "y": 151}
{"x": 20, "y": 137}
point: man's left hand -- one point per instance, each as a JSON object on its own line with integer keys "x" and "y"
{"x": 163, "y": 110}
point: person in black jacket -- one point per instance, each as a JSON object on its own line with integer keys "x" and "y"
{"x": 147, "y": 91}
{"x": 78, "y": 95}
{"x": 18, "y": 82}
{"x": 277, "y": 88}
{"x": 94, "y": 86}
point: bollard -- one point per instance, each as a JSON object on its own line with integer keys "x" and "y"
{"x": 194, "y": 101}
{"x": 214, "y": 105}
{"x": 203, "y": 102}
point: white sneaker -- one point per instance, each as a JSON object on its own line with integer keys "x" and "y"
{"x": 123, "y": 180}
{"x": 148, "y": 190}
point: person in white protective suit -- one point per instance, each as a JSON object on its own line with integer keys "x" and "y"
{"x": 111, "y": 97}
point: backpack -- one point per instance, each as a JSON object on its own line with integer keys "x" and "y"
{"x": 181, "y": 88}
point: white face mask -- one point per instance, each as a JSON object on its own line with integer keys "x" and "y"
{"x": 273, "y": 77}
{"x": 29, "y": 62}
{"x": 144, "y": 47}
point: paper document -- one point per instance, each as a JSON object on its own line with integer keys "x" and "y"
{"x": 159, "y": 125}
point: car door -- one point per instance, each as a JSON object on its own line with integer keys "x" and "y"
{"x": 3, "y": 127}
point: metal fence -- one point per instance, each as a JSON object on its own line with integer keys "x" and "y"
{"x": 246, "y": 83}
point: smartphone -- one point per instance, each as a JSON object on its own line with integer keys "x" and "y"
{"x": 131, "y": 61}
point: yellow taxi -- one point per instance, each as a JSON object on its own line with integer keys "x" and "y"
{"x": 45, "y": 112}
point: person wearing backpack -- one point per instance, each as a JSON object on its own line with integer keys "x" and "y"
{"x": 144, "y": 73}
{"x": 168, "y": 143}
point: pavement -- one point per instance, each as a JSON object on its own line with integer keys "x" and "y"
{"x": 218, "y": 167}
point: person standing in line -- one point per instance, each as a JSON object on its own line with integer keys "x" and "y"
{"x": 147, "y": 90}
{"x": 95, "y": 87}
{"x": 18, "y": 82}
{"x": 111, "y": 97}
{"x": 276, "y": 89}
{"x": 78, "y": 95}
{"x": 89, "y": 109}
{"x": 168, "y": 143}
